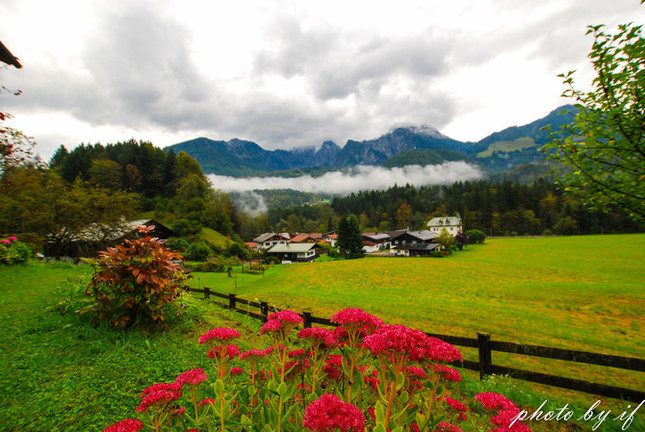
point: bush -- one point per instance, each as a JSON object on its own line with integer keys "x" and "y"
{"x": 135, "y": 281}
{"x": 476, "y": 236}
{"x": 199, "y": 251}
{"x": 13, "y": 251}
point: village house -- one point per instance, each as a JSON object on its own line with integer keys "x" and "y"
{"x": 293, "y": 252}
{"x": 374, "y": 242}
{"x": 413, "y": 243}
{"x": 452, "y": 224}
{"x": 307, "y": 238}
{"x": 267, "y": 240}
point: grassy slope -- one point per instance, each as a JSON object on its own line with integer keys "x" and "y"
{"x": 571, "y": 292}
{"x": 507, "y": 146}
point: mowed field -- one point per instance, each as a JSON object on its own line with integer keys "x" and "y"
{"x": 582, "y": 292}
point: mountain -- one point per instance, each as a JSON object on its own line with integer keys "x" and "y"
{"x": 498, "y": 152}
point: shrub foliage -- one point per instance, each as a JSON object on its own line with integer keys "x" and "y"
{"x": 135, "y": 281}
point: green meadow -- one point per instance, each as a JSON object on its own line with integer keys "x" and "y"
{"x": 582, "y": 292}
{"x": 58, "y": 372}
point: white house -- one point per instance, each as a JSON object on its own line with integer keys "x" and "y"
{"x": 293, "y": 252}
{"x": 266, "y": 240}
{"x": 452, "y": 224}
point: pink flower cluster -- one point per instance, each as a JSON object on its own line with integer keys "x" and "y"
{"x": 356, "y": 318}
{"x": 271, "y": 326}
{"x": 192, "y": 377}
{"x": 447, "y": 373}
{"x": 127, "y": 425}
{"x": 256, "y": 353}
{"x": 330, "y": 414}
{"x": 507, "y": 413}
{"x": 286, "y": 316}
{"x": 222, "y": 333}
{"x": 230, "y": 351}
{"x": 398, "y": 339}
{"x": 455, "y": 404}
{"x": 319, "y": 335}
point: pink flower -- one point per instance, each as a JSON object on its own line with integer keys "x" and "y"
{"x": 286, "y": 316}
{"x": 447, "y": 427}
{"x": 127, "y": 425}
{"x": 391, "y": 339}
{"x": 447, "y": 373}
{"x": 271, "y": 326}
{"x": 158, "y": 398}
{"x": 222, "y": 333}
{"x": 12, "y": 238}
{"x": 495, "y": 401}
{"x": 355, "y": 318}
{"x": 330, "y": 414}
{"x": 230, "y": 351}
{"x": 237, "y": 371}
{"x": 5, "y": 241}
{"x": 437, "y": 349}
{"x": 207, "y": 401}
{"x": 256, "y": 353}
{"x": 194, "y": 377}
{"x": 318, "y": 334}
{"x": 333, "y": 367}
{"x": 455, "y": 404}
{"x": 172, "y": 387}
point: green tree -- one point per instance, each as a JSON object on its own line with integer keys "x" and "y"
{"x": 603, "y": 151}
{"x": 445, "y": 239}
{"x": 350, "y": 240}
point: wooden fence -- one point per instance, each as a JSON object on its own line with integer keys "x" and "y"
{"x": 485, "y": 347}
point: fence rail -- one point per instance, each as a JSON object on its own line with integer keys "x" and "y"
{"x": 485, "y": 347}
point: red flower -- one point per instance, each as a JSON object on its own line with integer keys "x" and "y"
{"x": 207, "y": 401}
{"x": 447, "y": 427}
{"x": 230, "y": 351}
{"x": 158, "y": 398}
{"x": 448, "y": 373}
{"x": 333, "y": 367}
{"x": 495, "y": 401}
{"x": 222, "y": 333}
{"x": 355, "y": 318}
{"x": 194, "y": 377}
{"x": 455, "y": 404}
{"x": 437, "y": 349}
{"x": 127, "y": 425}
{"x": 507, "y": 411}
{"x": 172, "y": 387}
{"x": 319, "y": 334}
{"x": 286, "y": 316}
{"x": 237, "y": 371}
{"x": 256, "y": 353}
{"x": 399, "y": 339}
{"x": 271, "y": 325}
{"x": 12, "y": 238}
{"x": 330, "y": 414}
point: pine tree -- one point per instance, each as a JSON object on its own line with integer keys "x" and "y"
{"x": 350, "y": 240}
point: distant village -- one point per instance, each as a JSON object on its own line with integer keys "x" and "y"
{"x": 304, "y": 247}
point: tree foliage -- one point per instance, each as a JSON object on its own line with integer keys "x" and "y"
{"x": 135, "y": 281}
{"x": 350, "y": 240}
{"x": 603, "y": 150}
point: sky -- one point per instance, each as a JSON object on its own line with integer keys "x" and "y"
{"x": 290, "y": 73}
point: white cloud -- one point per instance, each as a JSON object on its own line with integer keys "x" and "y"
{"x": 359, "y": 178}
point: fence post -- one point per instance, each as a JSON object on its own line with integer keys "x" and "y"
{"x": 231, "y": 301}
{"x": 207, "y": 293}
{"x": 307, "y": 319}
{"x": 264, "y": 311}
{"x": 485, "y": 360}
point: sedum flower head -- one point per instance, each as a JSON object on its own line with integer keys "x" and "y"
{"x": 330, "y": 414}
{"x": 286, "y": 316}
{"x": 127, "y": 425}
{"x": 356, "y": 318}
{"x": 319, "y": 335}
{"x": 193, "y": 376}
{"x": 222, "y": 333}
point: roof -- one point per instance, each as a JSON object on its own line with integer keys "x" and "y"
{"x": 292, "y": 248}
{"x": 423, "y": 234}
{"x": 303, "y": 237}
{"x": 96, "y": 232}
{"x": 420, "y": 247}
{"x": 251, "y": 244}
{"x": 267, "y": 236}
{"x": 7, "y": 57}
{"x": 332, "y": 236}
{"x": 397, "y": 233}
{"x": 376, "y": 236}
{"x": 445, "y": 221}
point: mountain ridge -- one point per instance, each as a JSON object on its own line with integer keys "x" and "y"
{"x": 500, "y": 151}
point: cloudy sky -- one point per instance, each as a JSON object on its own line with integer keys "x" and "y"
{"x": 290, "y": 73}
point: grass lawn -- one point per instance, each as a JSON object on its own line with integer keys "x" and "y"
{"x": 582, "y": 292}
{"x": 59, "y": 373}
